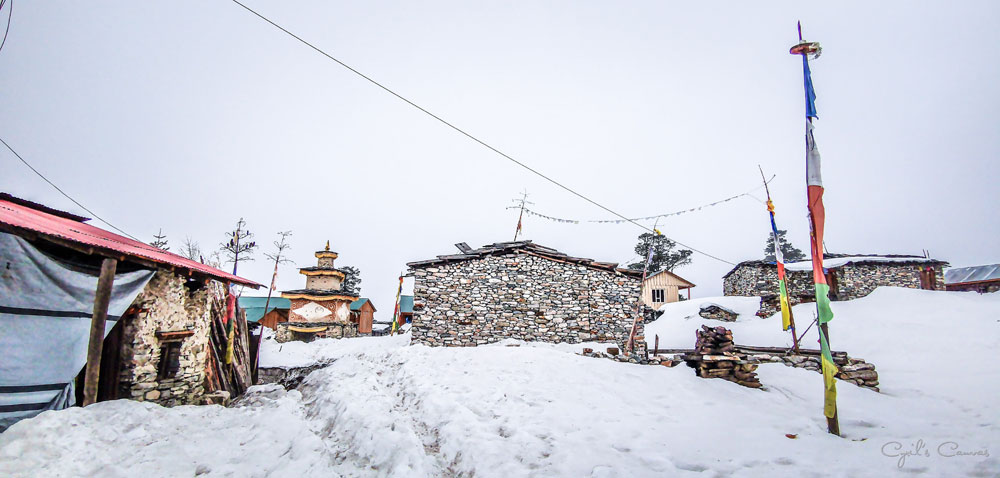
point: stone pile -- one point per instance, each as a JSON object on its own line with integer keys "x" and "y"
{"x": 716, "y": 312}
{"x": 853, "y": 370}
{"x": 715, "y": 356}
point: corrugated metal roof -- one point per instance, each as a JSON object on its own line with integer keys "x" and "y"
{"x": 254, "y": 306}
{"x": 17, "y": 217}
{"x": 406, "y": 304}
{"x": 960, "y": 275}
{"x": 356, "y": 305}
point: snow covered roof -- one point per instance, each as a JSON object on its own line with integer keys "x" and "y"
{"x": 525, "y": 246}
{"x": 962, "y": 275}
{"x": 831, "y": 261}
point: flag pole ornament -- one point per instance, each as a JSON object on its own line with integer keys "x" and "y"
{"x": 817, "y": 219}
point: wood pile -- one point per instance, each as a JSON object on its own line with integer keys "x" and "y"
{"x": 715, "y": 356}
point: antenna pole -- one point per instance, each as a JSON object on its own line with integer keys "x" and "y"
{"x": 524, "y": 198}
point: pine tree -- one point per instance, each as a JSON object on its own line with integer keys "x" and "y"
{"x": 352, "y": 281}
{"x": 665, "y": 257}
{"x": 788, "y": 251}
{"x": 160, "y": 241}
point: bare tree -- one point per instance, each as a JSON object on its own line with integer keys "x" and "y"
{"x": 240, "y": 243}
{"x": 191, "y": 249}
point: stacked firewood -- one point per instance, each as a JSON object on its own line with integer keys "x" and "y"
{"x": 715, "y": 356}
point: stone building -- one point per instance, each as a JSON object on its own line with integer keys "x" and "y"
{"x": 521, "y": 290}
{"x": 165, "y": 328}
{"x": 849, "y": 277}
{"x": 323, "y": 308}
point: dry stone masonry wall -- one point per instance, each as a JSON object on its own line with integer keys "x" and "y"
{"x": 167, "y": 305}
{"x": 521, "y": 296}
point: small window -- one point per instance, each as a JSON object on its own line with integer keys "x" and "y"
{"x": 170, "y": 360}
{"x": 658, "y": 295}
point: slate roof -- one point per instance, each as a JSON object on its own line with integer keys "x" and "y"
{"x": 321, "y": 293}
{"x": 898, "y": 259}
{"x": 501, "y": 248}
{"x": 962, "y": 275}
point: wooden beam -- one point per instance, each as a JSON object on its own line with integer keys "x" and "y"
{"x": 101, "y": 301}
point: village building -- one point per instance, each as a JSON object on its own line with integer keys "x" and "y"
{"x": 323, "y": 308}
{"x": 163, "y": 319}
{"x": 982, "y": 279}
{"x": 363, "y": 314}
{"x": 277, "y": 310}
{"x": 522, "y": 290}
{"x": 663, "y": 288}
{"x": 849, "y": 277}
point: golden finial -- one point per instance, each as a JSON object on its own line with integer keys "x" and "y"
{"x": 328, "y": 244}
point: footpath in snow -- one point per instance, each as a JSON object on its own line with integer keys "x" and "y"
{"x": 384, "y": 408}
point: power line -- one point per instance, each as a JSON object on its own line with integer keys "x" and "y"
{"x": 92, "y": 213}
{"x": 463, "y": 132}
{"x": 10, "y": 12}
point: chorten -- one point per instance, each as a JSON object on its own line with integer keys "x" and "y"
{"x": 323, "y": 308}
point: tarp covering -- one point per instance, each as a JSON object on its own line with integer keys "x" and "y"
{"x": 45, "y": 315}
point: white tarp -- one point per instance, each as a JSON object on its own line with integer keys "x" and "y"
{"x": 45, "y": 315}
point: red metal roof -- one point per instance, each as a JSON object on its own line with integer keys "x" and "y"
{"x": 18, "y": 215}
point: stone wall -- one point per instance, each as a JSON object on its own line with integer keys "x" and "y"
{"x": 166, "y": 305}
{"x": 521, "y": 296}
{"x": 334, "y": 330}
{"x": 852, "y": 281}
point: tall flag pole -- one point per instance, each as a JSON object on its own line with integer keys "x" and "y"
{"x": 630, "y": 345}
{"x": 814, "y": 183}
{"x": 395, "y": 312}
{"x": 787, "y": 320}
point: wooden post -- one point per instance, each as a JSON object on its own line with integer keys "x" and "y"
{"x": 101, "y": 302}
{"x": 656, "y": 346}
{"x": 832, "y": 423}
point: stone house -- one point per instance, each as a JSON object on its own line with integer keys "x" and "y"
{"x": 849, "y": 277}
{"x": 163, "y": 320}
{"x": 323, "y": 308}
{"x": 522, "y": 290}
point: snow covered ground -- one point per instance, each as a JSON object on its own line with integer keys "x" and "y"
{"x": 384, "y": 408}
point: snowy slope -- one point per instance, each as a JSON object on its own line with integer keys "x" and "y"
{"x": 383, "y": 408}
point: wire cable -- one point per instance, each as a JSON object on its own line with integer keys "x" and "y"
{"x": 463, "y": 132}
{"x": 10, "y": 12}
{"x": 92, "y": 213}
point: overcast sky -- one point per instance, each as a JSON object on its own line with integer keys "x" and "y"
{"x": 188, "y": 115}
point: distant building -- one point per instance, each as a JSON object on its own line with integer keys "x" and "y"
{"x": 323, "y": 308}
{"x": 405, "y": 309}
{"x": 522, "y": 290}
{"x": 664, "y": 287}
{"x": 363, "y": 314}
{"x": 981, "y": 279}
{"x": 277, "y": 310}
{"x": 849, "y": 277}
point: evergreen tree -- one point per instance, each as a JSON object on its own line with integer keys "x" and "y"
{"x": 790, "y": 252}
{"x": 665, "y": 257}
{"x": 160, "y": 241}
{"x": 352, "y": 281}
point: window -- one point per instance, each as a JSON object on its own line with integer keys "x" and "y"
{"x": 658, "y": 295}
{"x": 170, "y": 360}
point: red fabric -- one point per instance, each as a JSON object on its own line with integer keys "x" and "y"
{"x": 230, "y": 307}
{"x": 817, "y": 216}
{"x": 84, "y": 234}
